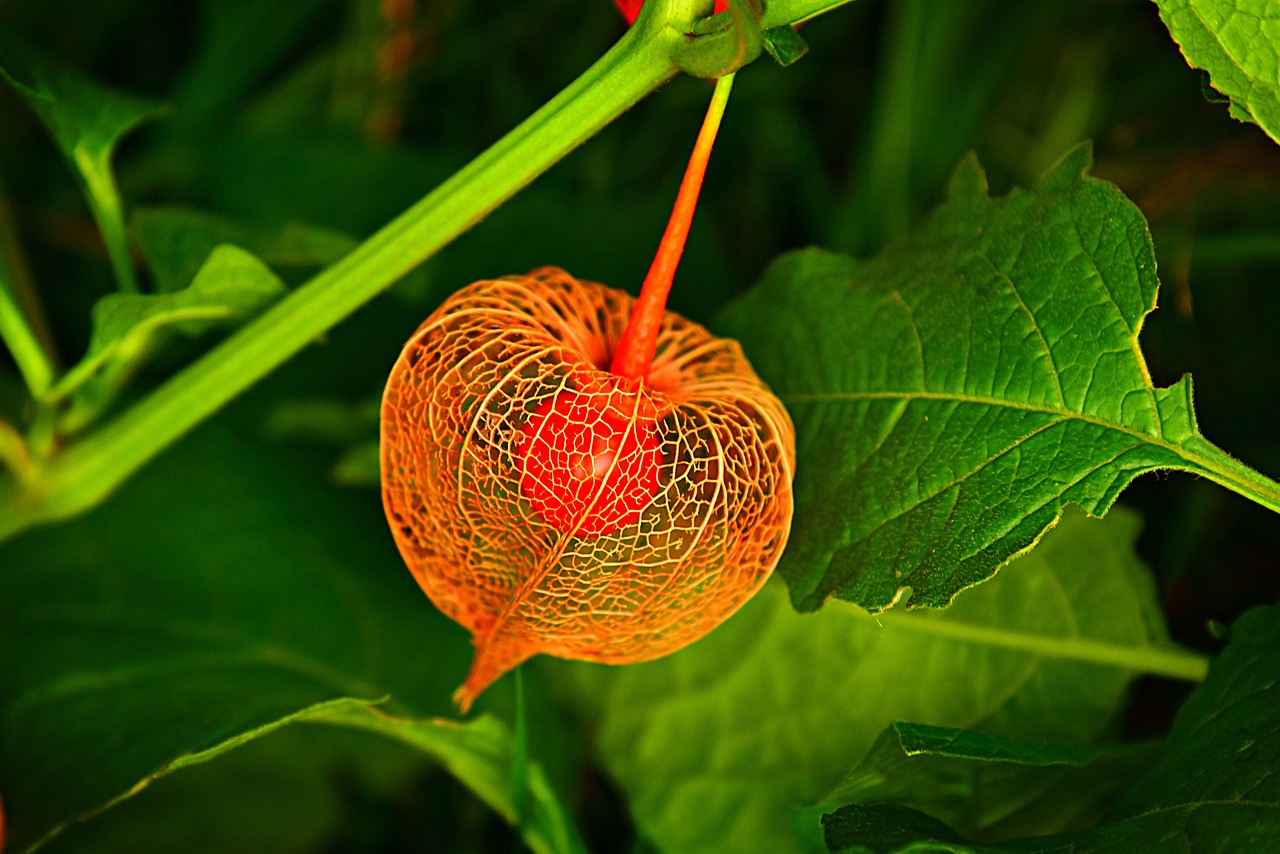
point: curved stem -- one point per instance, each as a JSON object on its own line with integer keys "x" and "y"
{"x": 1223, "y": 469}
{"x": 520, "y": 755}
{"x": 88, "y": 471}
{"x": 639, "y": 340}
{"x": 23, "y": 328}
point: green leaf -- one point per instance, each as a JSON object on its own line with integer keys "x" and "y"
{"x": 226, "y": 592}
{"x": 176, "y": 242}
{"x": 87, "y": 121}
{"x": 1214, "y": 787}
{"x": 955, "y": 393}
{"x": 784, "y": 44}
{"x": 294, "y": 791}
{"x": 480, "y": 754}
{"x": 779, "y": 12}
{"x": 1238, "y": 43}
{"x": 127, "y": 328}
{"x": 889, "y": 829}
{"x": 985, "y": 785}
{"x": 718, "y": 746}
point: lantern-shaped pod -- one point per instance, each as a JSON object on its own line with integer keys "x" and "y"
{"x": 550, "y": 506}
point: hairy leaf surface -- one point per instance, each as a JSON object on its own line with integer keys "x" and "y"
{"x": 954, "y": 393}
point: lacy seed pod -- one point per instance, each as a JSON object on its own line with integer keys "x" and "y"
{"x": 552, "y": 506}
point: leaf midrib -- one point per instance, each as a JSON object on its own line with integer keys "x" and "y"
{"x": 979, "y": 400}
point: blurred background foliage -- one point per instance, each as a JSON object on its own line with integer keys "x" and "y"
{"x": 337, "y": 114}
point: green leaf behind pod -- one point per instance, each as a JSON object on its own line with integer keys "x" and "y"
{"x": 1214, "y": 786}
{"x": 177, "y": 241}
{"x": 726, "y": 746}
{"x": 224, "y": 593}
{"x": 986, "y": 785}
{"x": 953, "y": 394}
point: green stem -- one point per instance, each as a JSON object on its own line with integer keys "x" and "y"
{"x": 1171, "y": 661}
{"x": 880, "y": 195}
{"x": 22, "y": 326}
{"x": 13, "y": 452}
{"x": 779, "y": 12}
{"x": 20, "y": 337}
{"x": 520, "y": 756}
{"x": 88, "y": 471}
{"x": 104, "y": 203}
{"x": 1225, "y": 470}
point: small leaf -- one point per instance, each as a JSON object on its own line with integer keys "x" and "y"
{"x": 784, "y": 44}
{"x": 87, "y": 121}
{"x": 955, "y": 393}
{"x": 718, "y": 746}
{"x": 1238, "y": 43}
{"x": 127, "y": 328}
{"x": 176, "y": 242}
{"x": 1214, "y": 787}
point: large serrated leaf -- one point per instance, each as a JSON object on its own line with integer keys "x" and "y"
{"x": 1238, "y": 43}
{"x": 719, "y": 745}
{"x": 230, "y": 286}
{"x": 1214, "y": 787}
{"x": 955, "y": 393}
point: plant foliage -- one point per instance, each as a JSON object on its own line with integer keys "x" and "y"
{"x": 207, "y": 639}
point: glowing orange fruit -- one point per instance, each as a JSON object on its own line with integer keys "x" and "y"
{"x": 552, "y": 506}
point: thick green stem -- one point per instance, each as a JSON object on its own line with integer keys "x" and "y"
{"x": 88, "y": 471}
{"x": 104, "y": 203}
{"x": 20, "y": 337}
{"x": 1225, "y": 470}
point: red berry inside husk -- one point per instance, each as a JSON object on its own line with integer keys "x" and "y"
{"x": 590, "y": 467}
{"x": 571, "y": 471}
{"x": 552, "y": 506}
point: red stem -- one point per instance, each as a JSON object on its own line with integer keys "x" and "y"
{"x": 639, "y": 340}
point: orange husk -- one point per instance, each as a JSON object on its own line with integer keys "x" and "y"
{"x": 453, "y": 413}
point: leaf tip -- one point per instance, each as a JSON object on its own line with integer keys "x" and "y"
{"x": 969, "y": 180}
{"x": 1071, "y": 167}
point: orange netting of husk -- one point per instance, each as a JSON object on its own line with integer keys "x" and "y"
{"x": 550, "y": 506}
